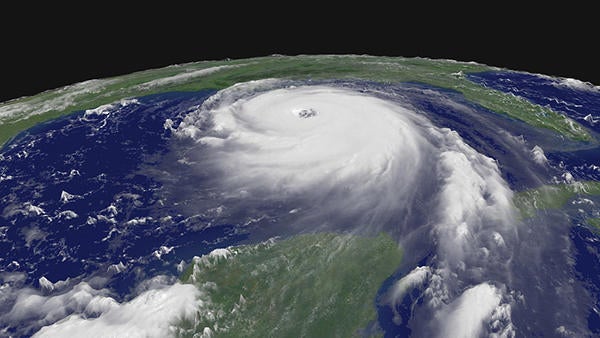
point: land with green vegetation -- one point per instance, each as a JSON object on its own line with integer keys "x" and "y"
{"x": 547, "y": 197}
{"x": 594, "y": 223}
{"x": 23, "y": 113}
{"x": 314, "y": 285}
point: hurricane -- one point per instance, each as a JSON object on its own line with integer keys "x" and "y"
{"x": 309, "y": 196}
{"x": 367, "y": 162}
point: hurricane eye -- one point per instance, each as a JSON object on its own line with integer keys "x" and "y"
{"x": 304, "y": 113}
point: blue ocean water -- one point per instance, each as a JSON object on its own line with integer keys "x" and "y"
{"x": 98, "y": 158}
{"x": 583, "y": 105}
{"x": 575, "y": 102}
{"x": 479, "y": 127}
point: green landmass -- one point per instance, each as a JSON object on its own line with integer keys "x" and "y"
{"x": 552, "y": 196}
{"x": 316, "y": 285}
{"x": 594, "y": 223}
{"x": 20, "y": 114}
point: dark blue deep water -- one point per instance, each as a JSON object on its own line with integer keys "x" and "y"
{"x": 115, "y": 215}
{"x": 577, "y": 103}
{"x": 582, "y": 105}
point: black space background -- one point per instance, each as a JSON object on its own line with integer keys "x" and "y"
{"x": 47, "y": 47}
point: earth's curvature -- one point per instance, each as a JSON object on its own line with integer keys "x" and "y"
{"x": 303, "y": 196}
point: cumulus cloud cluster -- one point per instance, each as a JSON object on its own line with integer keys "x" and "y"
{"x": 153, "y": 313}
{"x": 63, "y": 310}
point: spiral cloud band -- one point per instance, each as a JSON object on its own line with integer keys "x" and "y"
{"x": 370, "y": 161}
{"x": 291, "y": 140}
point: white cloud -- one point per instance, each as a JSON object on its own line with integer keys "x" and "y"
{"x": 568, "y": 177}
{"x": 151, "y": 314}
{"x": 211, "y": 259}
{"x": 413, "y": 279}
{"x": 67, "y": 214}
{"x": 278, "y": 144}
{"x": 33, "y": 234}
{"x": 183, "y": 77}
{"x": 576, "y": 84}
{"x": 45, "y": 284}
{"x": 475, "y": 204}
{"x": 138, "y": 221}
{"x": 465, "y": 316}
{"x": 58, "y": 99}
{"x": 260, "y": 147}
{"x": 34, "y": 209}
{"x": 538, "y": 155}
{"x": 117, "y": 268}
{"x": 220, "y": 253}
{"x": 63, "y": 310}
{"x": 38, "y": 310}
{"x": 163, "y": 250}
{"x": 107, "y": 109}
{"x": 66, "y": 197}
{"x": 4, "y": 177}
